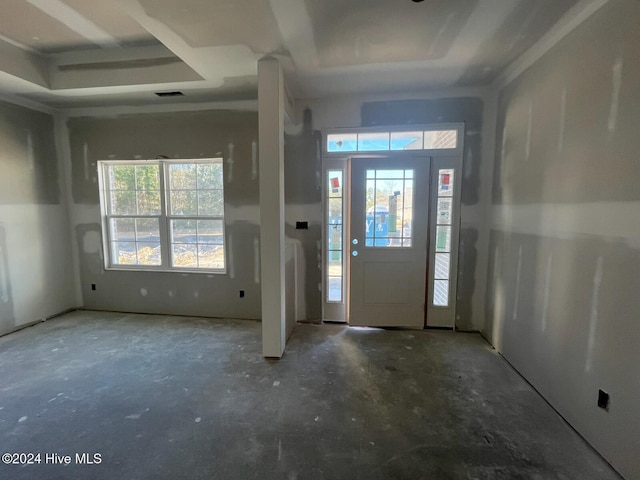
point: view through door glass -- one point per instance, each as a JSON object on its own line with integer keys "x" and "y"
{"x": 389, "y": 212}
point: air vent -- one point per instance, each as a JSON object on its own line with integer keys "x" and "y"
{"x": 170, "y": 94}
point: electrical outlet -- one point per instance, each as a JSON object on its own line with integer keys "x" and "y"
{"x": 603, "y": 399}
{"x": 241, "y": 293}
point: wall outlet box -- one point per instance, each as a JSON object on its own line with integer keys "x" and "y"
{"x": 603, "y": 399}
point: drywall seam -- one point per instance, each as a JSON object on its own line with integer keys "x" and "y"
{"x": 547, "y": 292}
{"x": 63, "y": 150}
{"x": 598, "y": 219}
{"x": 570, "y": 21}
{"x": 563, "y": 119}
{"x": 615, "y": 95}
{"x": 593, "y": 317}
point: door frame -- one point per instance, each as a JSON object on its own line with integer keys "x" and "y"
{"x": 438, "y": 158}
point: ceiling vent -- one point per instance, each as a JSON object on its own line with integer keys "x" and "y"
{"x": 170, "y": 94}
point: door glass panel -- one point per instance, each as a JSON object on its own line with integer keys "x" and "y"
{"x": 335, "y": 264}
{"x": 389, "y": 174}
{"x": 437, "y": 139}
{"x": 445, "y": 183}
{"x": 406, "y": 140}
{"x": 441, "y": 293}
{"x": 443, "y": 238}
{"x": 335, "y": 208}
{"x": 444, "y": 222}
{"x": 371, "y": 142}
{"x": 389, "y": 209}
{"x": 342, "y": 142}
{"x": 334, "y": 292}
{"x": 444, "y": 211}
{"x": 442, "y": 266}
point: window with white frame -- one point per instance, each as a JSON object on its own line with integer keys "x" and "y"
{"x": 163, "y": 214}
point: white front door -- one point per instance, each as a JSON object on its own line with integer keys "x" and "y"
{"x": 388, "y": 241}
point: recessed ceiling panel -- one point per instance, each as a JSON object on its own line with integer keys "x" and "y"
{"x": 108, "y": 16}
{"x": 212, "y": 23}
{"x": 359, "y": 32}
{"x": 22, "y": 22}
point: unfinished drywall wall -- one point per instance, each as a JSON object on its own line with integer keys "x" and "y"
{"x": 565, "y": 244}
{"x": 231, "y": 135}
{"x": 36, "y": 270}
{"x": 302, "y": 197}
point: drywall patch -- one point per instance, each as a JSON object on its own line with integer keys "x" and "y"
{"x": 254, "y": 160}
{"x": 256, "y": 256}
{"x": 563, "y": 118}
{"x": 467, "y": 260}
{"x": 91, "y": 259}
{"x": 615, "y": 96}
{"x": 92, "y": 242}
{"x": 30, "y": 153}
{"x": 231, "y": 264}
{"x": 517, "y": 295}
{"x": 311, "y": 275}
{"x": 527, "y": 145}
{"x": 500, "y": 166}
{"x": 7, "y": 314}
{"x": 230, "y": 160}
{"x": 300, "y": 165}
{"x": 27, "y": 157}
{"x": 593, "y": 317}
{"x": 547, "y": 291}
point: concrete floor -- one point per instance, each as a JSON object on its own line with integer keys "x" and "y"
{"x": 169, "y": 398}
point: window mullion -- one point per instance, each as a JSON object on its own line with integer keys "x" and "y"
{"x": 164, "y": 223}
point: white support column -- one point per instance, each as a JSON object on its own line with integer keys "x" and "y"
{"x": 272, "y": 238}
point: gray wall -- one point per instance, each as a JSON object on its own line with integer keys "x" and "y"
{"x": 229, "y": 134}
{"x": 36, "y": 267}
{"x": 564, "y": 267}
{"x": 201, "y": 134}
{"x": 302, "y": 198}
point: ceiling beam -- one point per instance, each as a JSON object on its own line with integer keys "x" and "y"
{"x": 238, "y": 60}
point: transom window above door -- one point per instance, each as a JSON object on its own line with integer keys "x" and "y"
{"x": 416, "y": 139}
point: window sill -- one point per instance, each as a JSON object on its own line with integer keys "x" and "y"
{"x": 181, "y": 271}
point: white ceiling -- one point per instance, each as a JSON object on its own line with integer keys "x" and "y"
{"x": 73, "y": 53}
